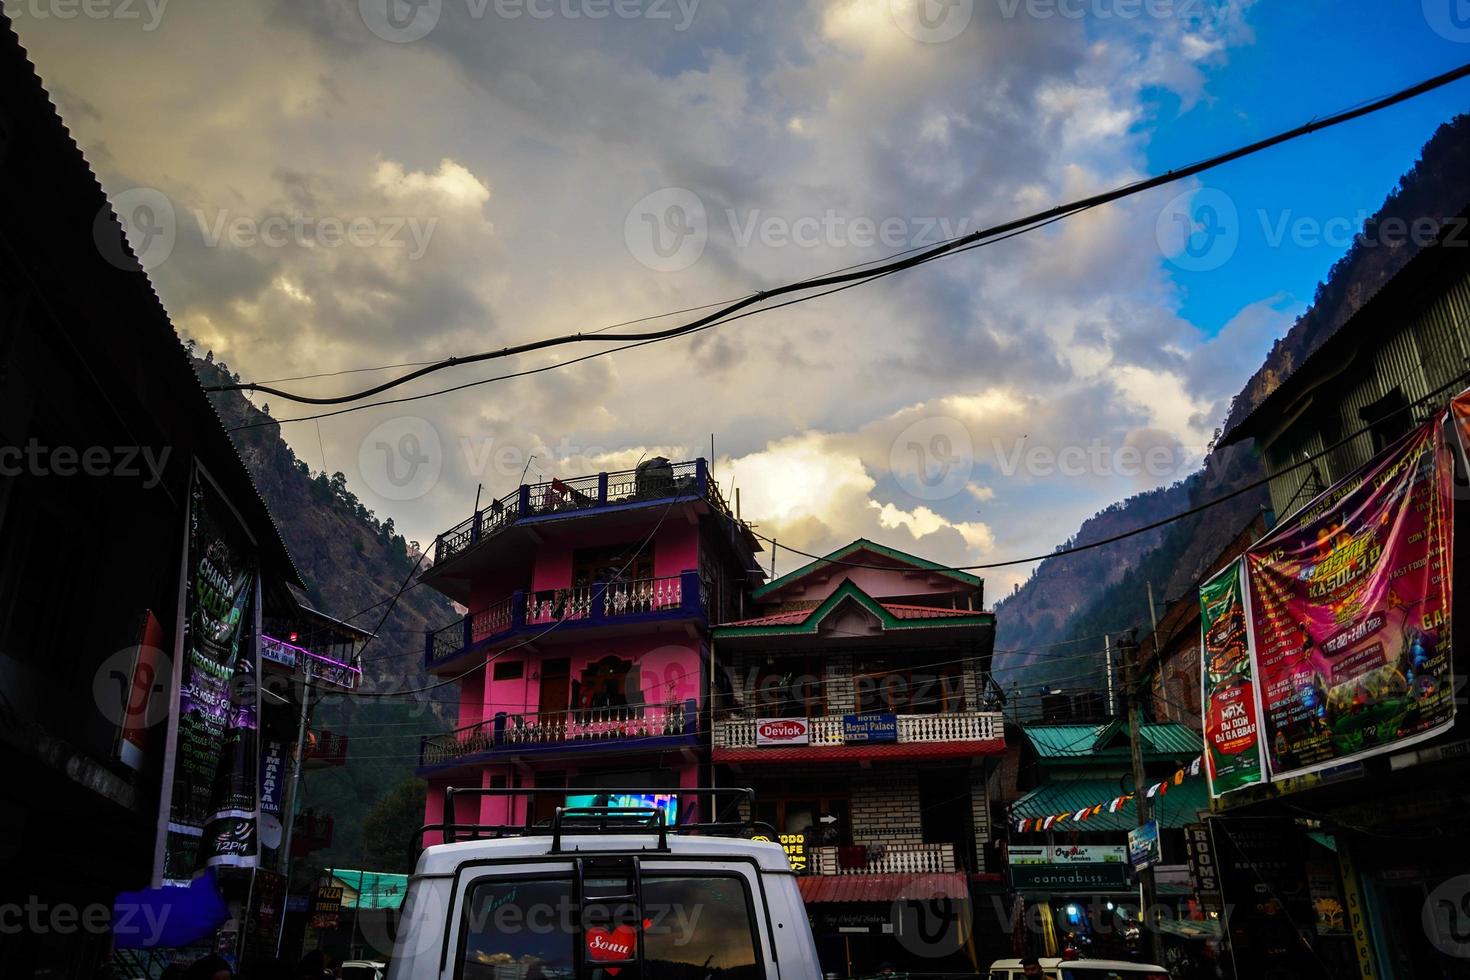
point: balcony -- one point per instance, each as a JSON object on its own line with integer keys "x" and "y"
{"x": 652, "y": 727}
{"x": 884, "y": 859}
{"x": 650, "y": 600}
{"x": 945, "y": 735}
{"x": 537, "y": 501}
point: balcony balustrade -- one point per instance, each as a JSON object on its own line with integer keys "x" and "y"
{"x": 883, "y": 859}
{"x": 622, "y": 727}
{"x": 577, "y": 494}
{"x": 673, "y": 596}
{"x": 958, "y": 726}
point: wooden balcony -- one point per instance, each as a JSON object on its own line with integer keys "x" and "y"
{"x": 944, "y": 735}
{"x": 667, "y": 597}
{"x": 652, "y": 727}
{"x": 885, "y": 859}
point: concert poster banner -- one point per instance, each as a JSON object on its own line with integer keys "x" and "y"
{"x": 220, "y": 587}
{"x": 1233, "y": 749}
{"x": 1350, "y": 610}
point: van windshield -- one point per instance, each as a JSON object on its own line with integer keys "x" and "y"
{"x": 695, "y": 927}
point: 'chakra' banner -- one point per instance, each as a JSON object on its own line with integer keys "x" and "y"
{"x": 1349, "y": 606}
{"x": 1232, "y": 725}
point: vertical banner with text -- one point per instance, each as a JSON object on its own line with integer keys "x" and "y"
{"x": 1231, "y": 724}
{"x": 219, "y": 592}
{"x": 1350, "y": 607}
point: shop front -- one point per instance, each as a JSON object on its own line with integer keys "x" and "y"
{"x": 912, "y": 924}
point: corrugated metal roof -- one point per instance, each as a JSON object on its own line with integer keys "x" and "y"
{"x": 375, "y": 889}
{"x": 1178, "y": 806}
{"x": 1106, "y": 741}
{"x": 880, "y": 888}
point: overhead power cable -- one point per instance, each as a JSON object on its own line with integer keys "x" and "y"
{"x": 895, "y": 265}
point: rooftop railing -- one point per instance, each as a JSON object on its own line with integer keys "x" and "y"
{"x": 656, "y": 482}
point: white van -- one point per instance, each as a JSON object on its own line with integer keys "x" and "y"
{"x": 602, "y": 893}
{"x": 1056, "y": 968}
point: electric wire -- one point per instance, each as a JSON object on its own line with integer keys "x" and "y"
{"x": 897, "y": 265}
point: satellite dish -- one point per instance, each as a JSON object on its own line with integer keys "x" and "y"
{"x": 270, "y": 830}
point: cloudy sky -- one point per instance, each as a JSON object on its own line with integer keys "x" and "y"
{"x": 325, "y": 185}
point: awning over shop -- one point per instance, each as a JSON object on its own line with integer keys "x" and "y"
{"x": 881, "y": 888}
{"x": 370, "y": 889}
{"x": 1178, "y": 806}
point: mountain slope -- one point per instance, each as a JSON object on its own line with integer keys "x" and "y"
{"x": 350, "y": 560}
{"x": 1050, "y": 630}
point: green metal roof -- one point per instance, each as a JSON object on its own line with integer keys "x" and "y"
{"x": 863, "y": 544}
{"x": 1109, "y": 742}
{"x": 1179, "y": 806}
{"x": 373, "y": 889}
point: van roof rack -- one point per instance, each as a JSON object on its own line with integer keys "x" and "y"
{"x": 606, "y": 819}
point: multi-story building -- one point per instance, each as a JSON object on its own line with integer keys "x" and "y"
{"x": 583, "y": 660}
{"x": 859, "y": 706}
{"x": 1379, "y": 822}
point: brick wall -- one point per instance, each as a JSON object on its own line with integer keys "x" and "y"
{"x": 885, "y": 808}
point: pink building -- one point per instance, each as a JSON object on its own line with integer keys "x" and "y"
{"x": 583, "y": 662}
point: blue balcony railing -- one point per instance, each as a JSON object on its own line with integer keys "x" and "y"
{"x": 617, "y": 728}
{"x": 682, "y": 596}
{"x": 535, "y": 500}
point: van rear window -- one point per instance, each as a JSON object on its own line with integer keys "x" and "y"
{"x": 695, "y": 927}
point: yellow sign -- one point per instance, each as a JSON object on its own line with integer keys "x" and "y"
{"x": 1357, "y": 917}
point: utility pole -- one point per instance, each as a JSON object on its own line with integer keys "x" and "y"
{"x": 1132, "y": 692}
{"x": 291, "y": 796}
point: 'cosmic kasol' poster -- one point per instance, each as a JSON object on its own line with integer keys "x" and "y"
{"x": 1350, "y": 609}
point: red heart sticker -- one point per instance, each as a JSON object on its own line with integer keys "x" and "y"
{"x": 611, "y": 947}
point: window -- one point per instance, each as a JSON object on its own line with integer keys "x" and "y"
{"x": 694, "y": 927}
{"x": 619, "y": 563}
{"x": 511, "y": 671}
{"x": 893, "y": 685}
{"x": 1388, "y": 418}
{"x": 789, "y": 687}
{"x": 517, "y": 929}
